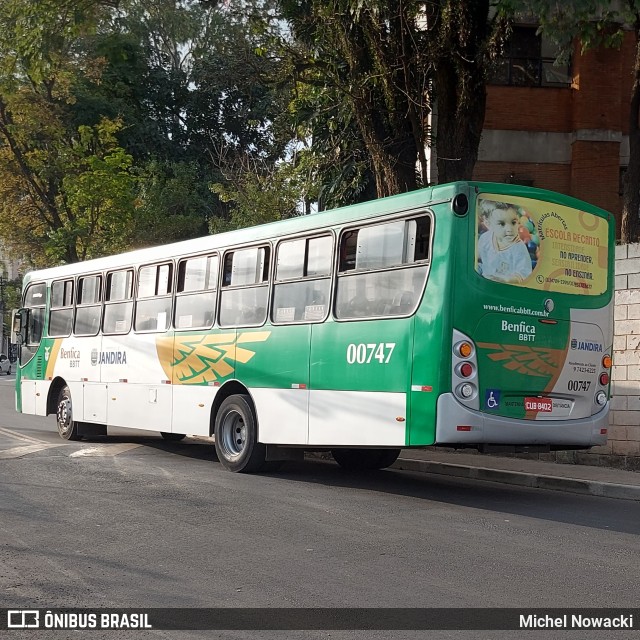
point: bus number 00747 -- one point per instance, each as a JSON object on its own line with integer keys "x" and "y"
{"x": 365, "y": 353}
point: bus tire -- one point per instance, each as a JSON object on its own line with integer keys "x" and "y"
{"x": 365, "y": 459}
{"x": 172, "y": 437}
{"x": 236, "y": 436}
{"x": 67, "y": 426}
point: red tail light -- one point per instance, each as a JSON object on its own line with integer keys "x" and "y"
{"x": 466, "y": 369}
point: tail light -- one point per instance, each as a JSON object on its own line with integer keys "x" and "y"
{"x": 605, "y": 377}
{"x": 464, "y": 370}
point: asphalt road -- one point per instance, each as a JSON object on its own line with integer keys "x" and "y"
{"x": 132, "y": 521}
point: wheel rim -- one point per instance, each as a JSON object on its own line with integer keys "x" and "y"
{"x": 65, "y": 416}
{"x": 233, "y": 435}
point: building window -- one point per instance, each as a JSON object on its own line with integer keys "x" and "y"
{"x": 529, "y": 61}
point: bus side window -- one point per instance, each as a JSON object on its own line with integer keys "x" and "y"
{"x": 243, "y": 299}
{"x": 302, "y": 280}
{"x": 61, "y": 314}
{"x": 196, "y": 293}
{"x": 153, "y": 306}
{"x": 118, "y": 302}
{"x": 88, "y": 306}
{"x": 383, "y": 269}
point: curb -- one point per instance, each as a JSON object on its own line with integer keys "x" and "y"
{"x": 519, "y": 478}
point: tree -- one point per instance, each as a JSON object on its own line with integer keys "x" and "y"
{"x": 65, "y": 192}
{"x": 71, "y": 201}
{"x": 396, "y": 63}
{"x": 373, "y": 56}
{"x": 174, "y": 201}
{"x": 464, "y": 42}
{"x": 110, "y": 115}
{"x": 189, "y": 79}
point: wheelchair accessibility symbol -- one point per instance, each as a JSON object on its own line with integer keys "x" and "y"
{"x": 492, "y": 398}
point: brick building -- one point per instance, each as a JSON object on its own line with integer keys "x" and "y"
{"x": 563, "y": 128}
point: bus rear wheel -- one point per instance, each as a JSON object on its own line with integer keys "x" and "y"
{"x": 67, "y": 426}
{"x": 365, "y": 459}
{"x": 172, "y": 437}
{"x": 236, "y": 436}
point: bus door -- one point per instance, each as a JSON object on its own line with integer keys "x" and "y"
{"x": 28, "y": 327}
{"x": 278, "y": 370}
{"x": 139, "y": 393}
{"x": 86, "y": 325}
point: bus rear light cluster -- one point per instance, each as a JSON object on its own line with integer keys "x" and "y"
{"x": 601, "y": 395}
{"x": 465, "y": 370}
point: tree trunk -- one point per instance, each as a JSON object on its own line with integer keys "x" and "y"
{"x": 461, "y": 94}
{"x": 382, "y": 72}
{"x": 631, "y": 182}
{"x": 459, "y": 127}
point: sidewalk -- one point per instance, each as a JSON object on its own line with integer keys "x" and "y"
{"x": 575, "y": 478}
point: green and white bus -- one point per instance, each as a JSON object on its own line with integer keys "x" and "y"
{"x": 466, "y": 315}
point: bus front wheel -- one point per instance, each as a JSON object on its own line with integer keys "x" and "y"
{"x": 67, "y": 426}
{"x": 236, "y": 436}
{"x": 363, "y": 459}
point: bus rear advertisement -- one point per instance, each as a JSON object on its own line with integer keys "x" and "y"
{"x": 467, "y": 315}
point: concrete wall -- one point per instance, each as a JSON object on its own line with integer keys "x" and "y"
{"x": 624, "y": 424}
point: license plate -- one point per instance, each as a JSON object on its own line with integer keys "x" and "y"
{"x": 543, "y": 405}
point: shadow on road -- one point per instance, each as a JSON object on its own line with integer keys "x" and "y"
{"x": 589, "y": 511}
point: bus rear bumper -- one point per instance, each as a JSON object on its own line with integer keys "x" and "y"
{"x": 456, "y": 424}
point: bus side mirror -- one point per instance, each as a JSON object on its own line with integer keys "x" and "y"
{"x": 19, "y": 326}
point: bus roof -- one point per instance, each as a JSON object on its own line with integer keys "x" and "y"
{"x": 291, "y": 226}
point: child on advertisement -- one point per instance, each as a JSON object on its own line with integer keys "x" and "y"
{"x": 502, "y": 256}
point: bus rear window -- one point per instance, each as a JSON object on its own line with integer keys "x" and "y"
{"x": 541, "y": 245}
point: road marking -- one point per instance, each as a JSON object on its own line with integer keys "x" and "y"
{"x": 34, "y": 445}
{"x": 103, "y": 450}
{"x": 25, "y": 450}
{"x": 21, "y": 436}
